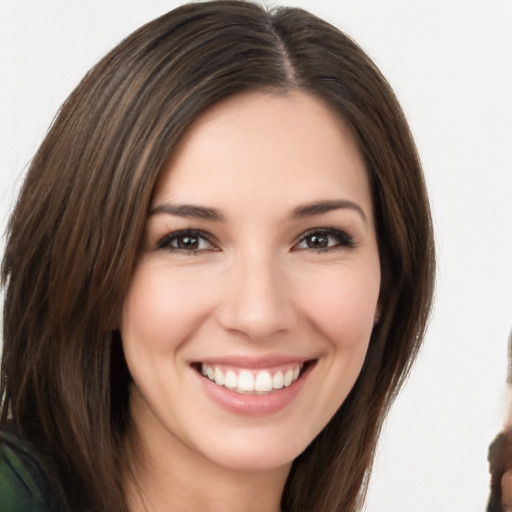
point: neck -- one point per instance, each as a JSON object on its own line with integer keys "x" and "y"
{"x": 170, "y": 477}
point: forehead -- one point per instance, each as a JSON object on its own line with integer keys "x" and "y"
{"x": 275, "y": 148}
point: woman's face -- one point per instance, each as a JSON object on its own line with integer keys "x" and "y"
{"x": 252, "y": 304}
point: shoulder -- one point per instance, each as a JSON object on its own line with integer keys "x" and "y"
{"x": 23, "y": 486}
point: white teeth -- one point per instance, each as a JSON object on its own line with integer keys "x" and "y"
{"x": 278, "y": 380}
{"x": 245, "y": 381}
{"x": 263, "y": 382}
{"x": 219, "y": 377}
{"x": 249, "y": 381}
{"x": 231, "y": 380}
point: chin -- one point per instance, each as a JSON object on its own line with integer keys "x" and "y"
{"x": 257, "y": 451}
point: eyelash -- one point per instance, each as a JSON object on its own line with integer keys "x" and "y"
{"x": 167, "y": 241}
{"x": 341, "y": 240}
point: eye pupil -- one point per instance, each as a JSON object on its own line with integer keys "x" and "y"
{"x": 318, "y": 241}
{"x": 188, "y": 242}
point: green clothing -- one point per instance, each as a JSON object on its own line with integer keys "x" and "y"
{"x": 23, "y": 486}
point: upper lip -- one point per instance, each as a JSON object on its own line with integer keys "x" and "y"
{"x": 248, "y": 362}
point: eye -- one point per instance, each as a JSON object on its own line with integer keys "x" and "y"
{"x": 187, "y": 241}
{"x": 325, "y": 239}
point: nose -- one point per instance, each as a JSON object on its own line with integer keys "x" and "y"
{"x": 258, "y": 301}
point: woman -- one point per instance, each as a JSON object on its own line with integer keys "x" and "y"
{"x": 217, "y": 274}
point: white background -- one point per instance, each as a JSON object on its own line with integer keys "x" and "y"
{"x": 450, "y": 63}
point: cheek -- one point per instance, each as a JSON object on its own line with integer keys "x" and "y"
{"x": 343, "y": 305}
{"x": 340, "y": 310}
{"x": 162, "y": 308}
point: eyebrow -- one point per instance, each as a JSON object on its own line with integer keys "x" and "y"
{"x": 210, "y": 214}
{"x": 320, "y": 207}
{"x": 187, "y": 210}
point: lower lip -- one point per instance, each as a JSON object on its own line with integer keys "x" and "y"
{"x": 254, "y": 405}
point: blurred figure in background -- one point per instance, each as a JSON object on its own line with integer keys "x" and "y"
{"x": 500, "y": 454}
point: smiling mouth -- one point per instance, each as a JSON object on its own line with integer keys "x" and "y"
{"x": 251, "y": 381}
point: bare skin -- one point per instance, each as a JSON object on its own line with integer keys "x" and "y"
{"x": 199, "y": 485}
{"x": 506, "y": 491}
{"x": 260, "y": 262}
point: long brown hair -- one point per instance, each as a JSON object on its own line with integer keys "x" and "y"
{"x": 75, "y": 233}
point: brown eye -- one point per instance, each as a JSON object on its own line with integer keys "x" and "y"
{"x": 325, "y": 240}
{"x": 188, "y": 242}
{"x": 317, "y": 241}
